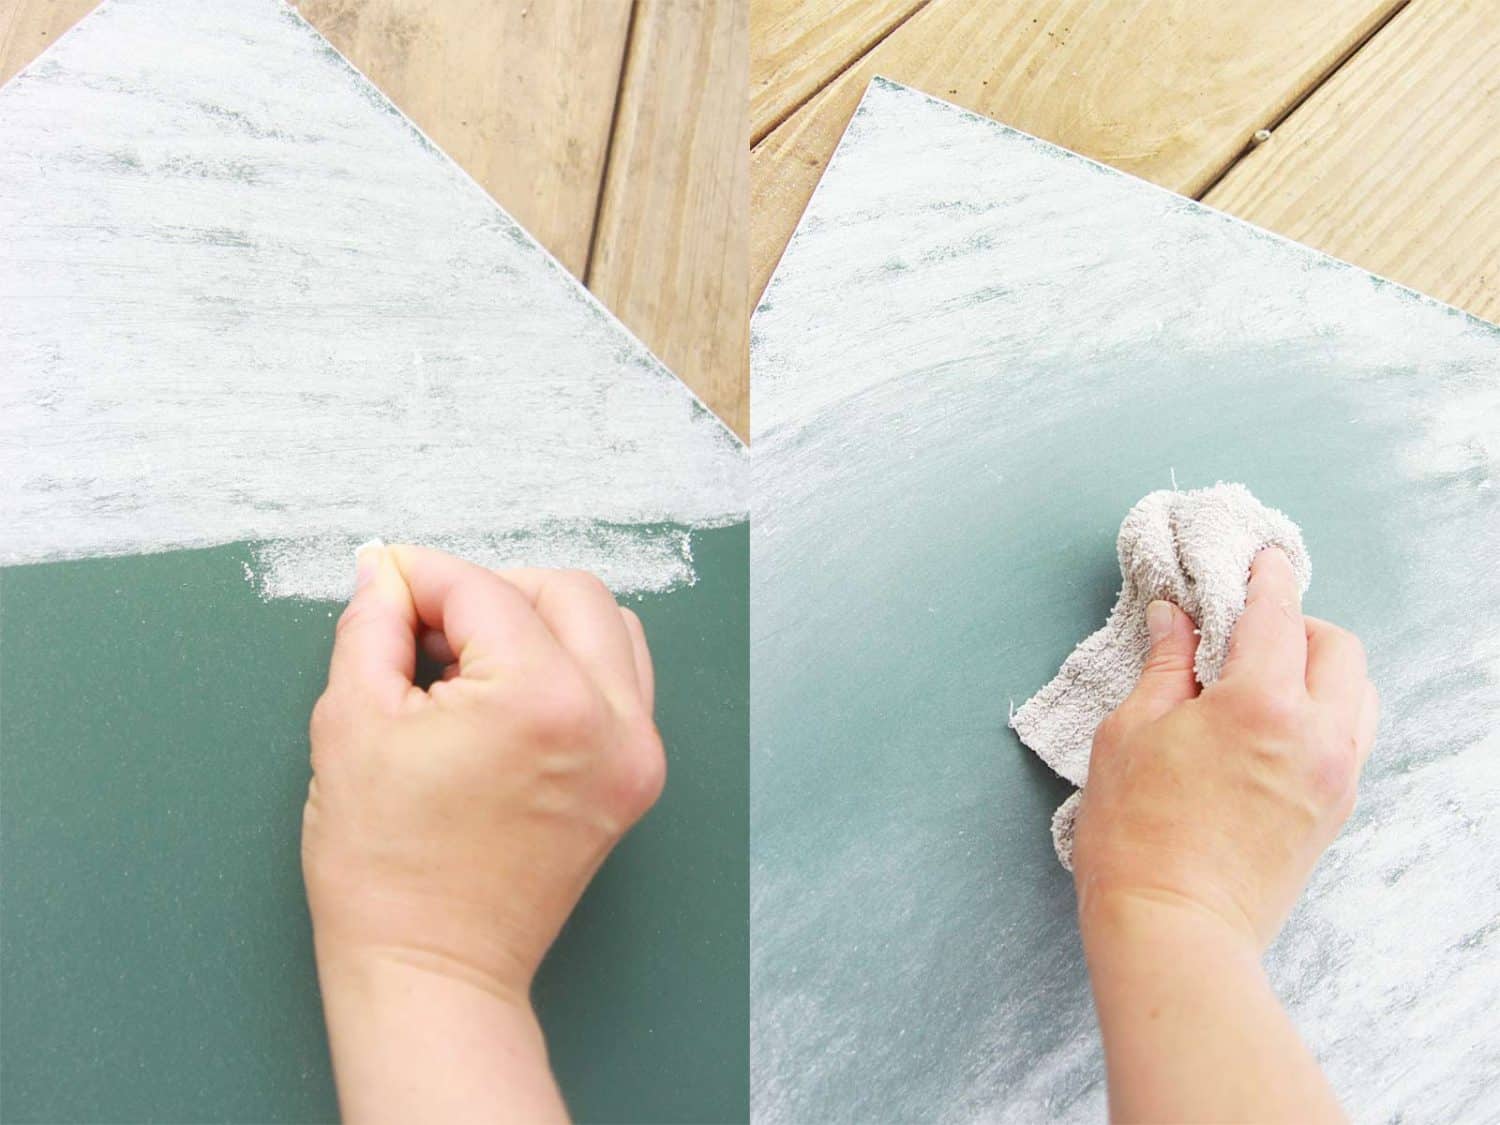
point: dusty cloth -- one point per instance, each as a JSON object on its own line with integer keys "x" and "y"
{"x": 1190, "y": 548}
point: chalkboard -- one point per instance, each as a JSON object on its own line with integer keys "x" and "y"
{"x": 156, "y": 956}
{"x": 254, "y": 319}
{"x": 977, "y": 353}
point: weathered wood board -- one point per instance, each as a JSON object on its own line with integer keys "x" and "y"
{"x": 249, "y": 317}
{"x": 671, "y": 235}
{"x": 978, "y": 351}
{"x": 1359, "y": 172}
{"x": 799, "y": 48}
{"x": 521, "y": 96}
{"x": 1166, "y": 89}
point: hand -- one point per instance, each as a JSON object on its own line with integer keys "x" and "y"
{"x": 449, "y": 832}
{"x": 1201, "y": 821}
{"x": 1222, "y": 801}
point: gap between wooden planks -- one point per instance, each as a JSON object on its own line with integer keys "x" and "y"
{"x": 670, "y": 246}
{"x": 794, "y": 53}
{"x": 1170, "y": 90}
{"x": 612, "y": 130}
{"x": 481, "y": 79}
{"x": 520, "y": 95}
{"x": 534, "y": 100}
{"x": 1394, "y": 162}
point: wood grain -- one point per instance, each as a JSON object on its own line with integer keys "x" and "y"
{"x": 521, "y": 95}
{"x": 1171, "y": 90}
{"x": 670, "y": 250}
{"x": 1394, "y": 163}
{"x": 29, "y": 27}
{"x": 798, "y": 48}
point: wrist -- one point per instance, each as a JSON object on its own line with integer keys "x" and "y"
{"x": 381, "y": 973}
{"x": 1119, "y": 920}
{"x": 377, "y": 937}
{"x": 1191, "y": 1028}
{"x": 416, "y": 1035}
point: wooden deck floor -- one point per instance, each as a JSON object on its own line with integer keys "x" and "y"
{"x": 1378, "y": 120}
{"x": 613, "y": 130}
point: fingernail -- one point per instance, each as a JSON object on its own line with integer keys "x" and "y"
{"x": 366, "y": 562}
{"x": 1158, "y": 620}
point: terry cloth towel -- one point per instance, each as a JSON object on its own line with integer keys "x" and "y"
{"x": 1190, "y": 548}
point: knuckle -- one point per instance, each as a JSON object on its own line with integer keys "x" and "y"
{"x": 1335, "y": 772}
{"x": 1340, "y": 634}
{"x": 1357, "y": 651}
{"x": 1347, "y": 645}
{"x": 1344, "y": 757}
{"x": 565, "y": 712}
{"x": 582, "y": 583}
{"x": 1169, "y": 658}
{"x": 1279, "y": 712}
{"x": 1343, "y": 804}
{"x": 1111, "y": 731}
{"x": 643, "y": 768}
{"x": 326, "y": 726}
{"x": 353, "y": 615}
{"x": 323, "y": 720}
{"x": 1335, "y": 781}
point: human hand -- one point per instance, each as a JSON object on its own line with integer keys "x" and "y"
{"x": 448, "y": 833}
{"x": 459, "y": 825}
{"x": 1221, "y": 801}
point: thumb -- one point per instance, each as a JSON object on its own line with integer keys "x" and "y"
{"x": 375, "y": 643}
{"x": 1167, "y": 678}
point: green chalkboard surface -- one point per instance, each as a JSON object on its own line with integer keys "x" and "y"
{"x": 155, "y": 957}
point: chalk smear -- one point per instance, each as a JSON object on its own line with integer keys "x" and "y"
{"x": 246, "y": 300}
{"x": 629, "y": 560}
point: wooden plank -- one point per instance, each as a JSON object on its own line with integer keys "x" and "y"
{"x": 481, "y": 79}
{"x": 29, "y": 27}
{"x": 670, "y": 251}
{"x": 798, "y": 48}
{"x": 1394, "y": 164}
{"x": 520, "y": 95}
{"x": 1171, "y": 90}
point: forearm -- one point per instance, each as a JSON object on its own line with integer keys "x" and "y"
{"x": 413, "y": 1042}
{"x": 1191, "y": 1028}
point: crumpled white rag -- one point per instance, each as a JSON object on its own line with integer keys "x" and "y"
{"x": 1190, "y": 548}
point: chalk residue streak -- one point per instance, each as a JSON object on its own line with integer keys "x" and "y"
{"x": 245, "y": 299}
{"x": 976, "y": 354}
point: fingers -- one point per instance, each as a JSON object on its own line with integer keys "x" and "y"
{"x": 582, "y": 614}
{"x": 489, "y": 626}
{"x": 1337, "y": 678}
{"x": 645, "y": 672}
{"x": 374, "y": 646}
{"x": 1167, "y": 678}
{"x": 480, "y": 623}
{"x": 1269, "y": 641}
{"x": 1335, "y": 669}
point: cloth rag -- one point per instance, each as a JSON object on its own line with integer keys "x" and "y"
{"x": 1193, "y": 549}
